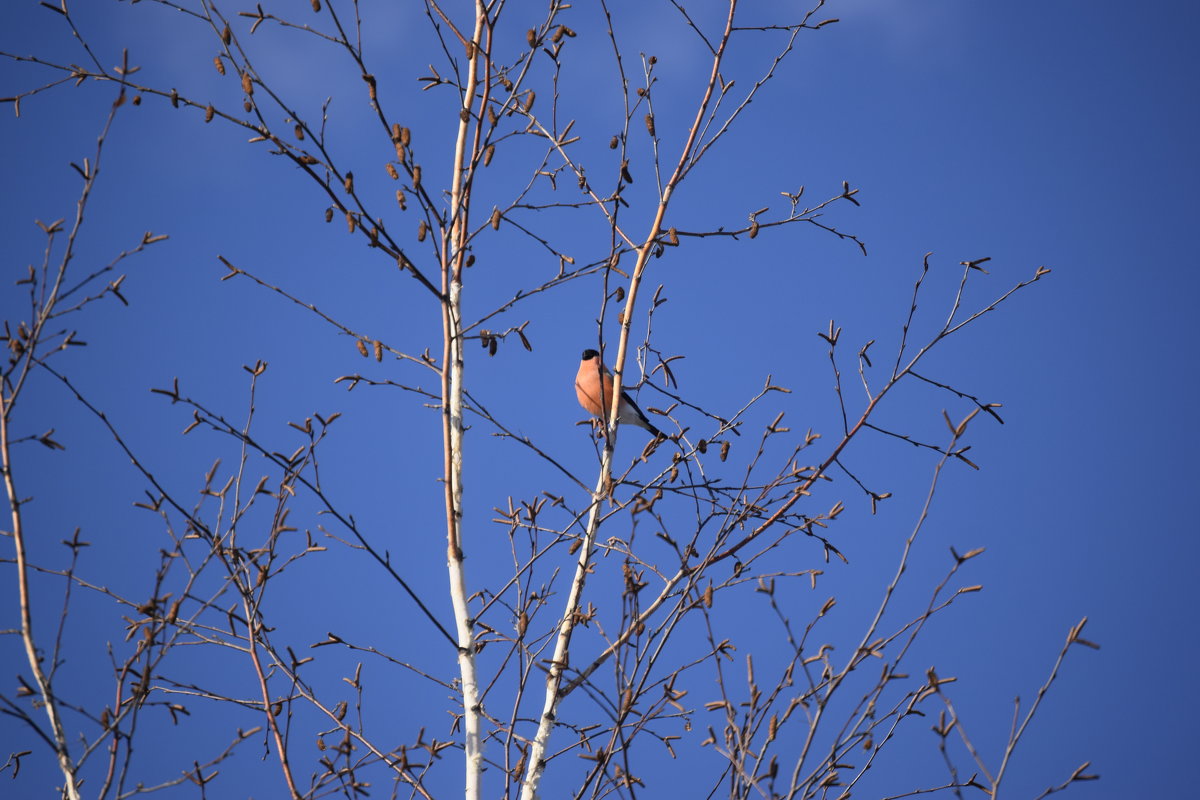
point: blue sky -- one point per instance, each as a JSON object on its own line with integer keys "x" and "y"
{"x": 1051, "y": 134}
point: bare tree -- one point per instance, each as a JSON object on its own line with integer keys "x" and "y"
{"x": 604, "y": 644}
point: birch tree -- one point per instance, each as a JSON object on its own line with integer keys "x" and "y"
{"x": 541, "y": 155}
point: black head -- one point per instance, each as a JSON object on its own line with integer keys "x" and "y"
{"x": 589, "y": 354}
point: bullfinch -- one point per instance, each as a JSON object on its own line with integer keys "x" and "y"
{"x": 594, "y": 386}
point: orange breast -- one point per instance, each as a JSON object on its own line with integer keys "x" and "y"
{"x": 594, "y": 390}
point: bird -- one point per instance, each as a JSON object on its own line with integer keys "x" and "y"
{"x": 593, "y": 387}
